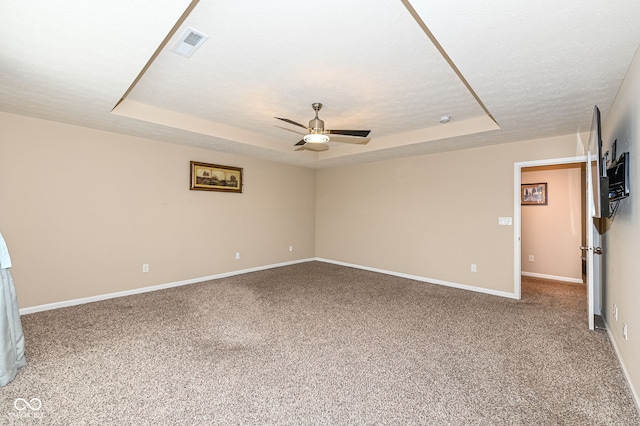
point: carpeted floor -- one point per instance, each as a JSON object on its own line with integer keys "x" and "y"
{"x": 316, "y": 343}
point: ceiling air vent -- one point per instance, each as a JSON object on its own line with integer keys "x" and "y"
{"x": 189, "y": 42}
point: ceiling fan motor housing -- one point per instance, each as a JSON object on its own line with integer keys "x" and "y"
{"x": 316, "y": 125}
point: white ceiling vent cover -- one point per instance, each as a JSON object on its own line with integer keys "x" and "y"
{"x": 189, "y": 42}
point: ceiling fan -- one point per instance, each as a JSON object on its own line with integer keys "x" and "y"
{"x": 317, "y": 137}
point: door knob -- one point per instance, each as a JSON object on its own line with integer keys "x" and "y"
{"x": 596, "y": 250}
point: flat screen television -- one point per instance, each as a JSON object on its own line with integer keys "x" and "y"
{"x": 599, "y": 180}
{"x": 618, "y": 174}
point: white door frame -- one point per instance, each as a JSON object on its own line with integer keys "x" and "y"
{"x": 517, "y": 223}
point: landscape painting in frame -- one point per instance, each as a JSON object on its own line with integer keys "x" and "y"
{"x": 213, "y": 177}
{"x": 533, "y": 194}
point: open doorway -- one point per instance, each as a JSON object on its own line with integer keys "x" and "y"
{"x": 552, "y": 225}
{"x": 591, "y": 247}
{"x": 518, "y": 167}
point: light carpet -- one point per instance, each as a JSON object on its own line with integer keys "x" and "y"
{"x": 317, "y": 343}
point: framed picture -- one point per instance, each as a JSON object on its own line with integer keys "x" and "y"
{"x": 533, "y": 194}
{"x": 213, "y": 177}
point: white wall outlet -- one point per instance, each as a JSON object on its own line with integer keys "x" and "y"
{"x": 624, "y": 332}
{"x": 237, "y": 255}
{"x": 615, "y": 312}
{"x": 531, "y": 258}
{"x": 145, "y": 267}
{"x": 474, "y": 268}
{"x": 290, "y": 248}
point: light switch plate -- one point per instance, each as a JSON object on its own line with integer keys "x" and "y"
{"x": 506, "y": 221}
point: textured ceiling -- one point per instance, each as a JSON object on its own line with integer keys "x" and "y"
{"x": 504, "y": 71}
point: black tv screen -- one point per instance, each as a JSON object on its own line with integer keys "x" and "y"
{"x": 599, "y": 181}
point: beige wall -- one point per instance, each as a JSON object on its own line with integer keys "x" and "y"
{"x": 83, "y": 209}
{"x": 552, "y": 233}
{"x": 622, "y": 239}
{"x": 430, "y": 216}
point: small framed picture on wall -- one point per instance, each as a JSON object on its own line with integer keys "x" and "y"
{"x": 533, "y": 194}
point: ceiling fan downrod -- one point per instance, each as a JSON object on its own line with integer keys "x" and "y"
{"x": 316, "y": 125}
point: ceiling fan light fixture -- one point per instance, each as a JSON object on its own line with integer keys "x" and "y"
{"x": 316, "y": 138}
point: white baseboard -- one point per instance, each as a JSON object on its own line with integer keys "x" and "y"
{"x": 73, "y": 302}
{"x": 636, "y": 397}
{"x": 90, "y": 299}
{"x": 423, "y": 279}
{"x": 553, "y": 277}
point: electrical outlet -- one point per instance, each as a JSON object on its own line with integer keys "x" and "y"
{"x": 624, "y": 332}
{"x": 474, "y": 268}
{"x": 145, "y": 267}
{"x": 238, "y": 256}
{"x": 531, "y": 258}
{"x": 290, "y": 248}
{"x": 615, "y": 312}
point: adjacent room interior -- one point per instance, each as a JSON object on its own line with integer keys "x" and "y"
{"x": 433, "y": 120}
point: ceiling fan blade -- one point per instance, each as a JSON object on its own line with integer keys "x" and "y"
{"x": 359, "y": 141}
{"x": 361, "y": 133}
{"x": 291, "y": 122}
{"x": 291, "y": 130}
{"x": 300, "y": 142}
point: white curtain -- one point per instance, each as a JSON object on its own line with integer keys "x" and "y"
{"x": 11, "y": 337}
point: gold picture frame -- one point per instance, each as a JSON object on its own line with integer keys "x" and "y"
{"x": 214, "y": 177}
{"x": 533, "y": 194}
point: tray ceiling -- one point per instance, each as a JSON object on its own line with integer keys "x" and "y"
{"x": 504, "y": 71}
